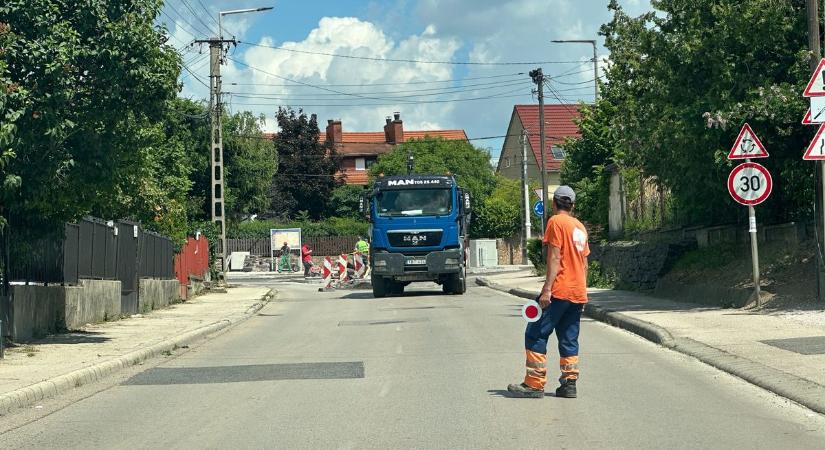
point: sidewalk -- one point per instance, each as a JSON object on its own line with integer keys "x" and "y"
{"x": 45, "y": 368}
{"x": 781, "y": 352}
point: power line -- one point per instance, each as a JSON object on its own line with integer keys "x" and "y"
{"x": 494, "y": 83}
{"x": 489, "y": 97}
{"x": 454, "y": 80}
{"x": 284, "y": 96}
{"x": 198, "y": 17}
{"x": 183, "y": 19}
{"x": 415, "y": 61}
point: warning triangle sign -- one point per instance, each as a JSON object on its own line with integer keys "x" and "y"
{"x": 816, "y": 151}
{"x": 807, "y": 119}
{"x": 747, "y": 145}
{"x": 816, "y": 87}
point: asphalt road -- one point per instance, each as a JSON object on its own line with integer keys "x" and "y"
{"x": 344, "y": 370}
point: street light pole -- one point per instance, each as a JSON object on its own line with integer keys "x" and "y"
{"x": 217, "y": 186}
{"x": 595, "y": 61}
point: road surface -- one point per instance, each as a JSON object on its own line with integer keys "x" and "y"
{"x": 344, "y": 370}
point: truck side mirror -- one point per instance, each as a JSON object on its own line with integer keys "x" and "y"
{"x": 364, "y": 206}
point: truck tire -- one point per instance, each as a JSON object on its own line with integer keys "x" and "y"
{"x": 456, "y": 284}
{"x": 379, "y": 287}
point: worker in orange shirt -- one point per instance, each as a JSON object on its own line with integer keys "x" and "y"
{"x": 562, "y": 300}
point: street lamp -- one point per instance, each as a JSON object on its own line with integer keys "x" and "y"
{"x": 237, "y": 11}
{"x": 595, "y": 60}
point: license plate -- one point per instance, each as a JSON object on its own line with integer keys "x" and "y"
{"x": 416, "y": 262}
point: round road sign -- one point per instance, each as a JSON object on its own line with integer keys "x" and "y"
{"x": 531, "y": 311}
{"x": 750, "y": 183}
{"x": 538, "y": 208}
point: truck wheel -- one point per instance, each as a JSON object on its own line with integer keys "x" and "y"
{"x": 461, "y": 283}
{"x": 379, "y": 287}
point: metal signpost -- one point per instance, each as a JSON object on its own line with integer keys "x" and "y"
{"x": 815, "y": 91}
{"x": 750, "y": 184}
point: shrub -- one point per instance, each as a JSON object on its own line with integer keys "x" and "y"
{"x": 536, "y": 256}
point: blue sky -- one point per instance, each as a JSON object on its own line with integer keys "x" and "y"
{"x": 477, "y": 98}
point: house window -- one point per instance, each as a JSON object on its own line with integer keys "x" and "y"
{"x": 370, "y": 162}
{"x": 360, "y": 164}
{"x": 558, "y": 152}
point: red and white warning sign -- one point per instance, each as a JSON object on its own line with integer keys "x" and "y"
{"x": 531, "y": 311}
{"x": 807, "y": 119}
{"x": 747, "y": 145}
{"x": 750, "y": 183}
{"x": 327, "y": 272}
{"x": 816, "y": 150}
{"x": 816, "y": 86}
{"x": 343, "y": 275}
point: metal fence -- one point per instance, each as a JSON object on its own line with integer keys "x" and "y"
{"x": 320, "y": 245}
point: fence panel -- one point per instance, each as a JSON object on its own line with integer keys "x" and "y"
{"x": 320, "y": 245}
{"x": 255, "y": 247}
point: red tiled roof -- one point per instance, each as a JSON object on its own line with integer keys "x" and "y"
{"x": 559, "y": 125}
{"x": 355, "y": 177}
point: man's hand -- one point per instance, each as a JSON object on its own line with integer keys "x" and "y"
{"x": 544, "y": 298}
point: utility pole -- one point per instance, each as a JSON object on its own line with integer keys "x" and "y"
{"x": 819, "y": 222}
{"x": 538, "y": 78}
{"x": 217, "y": 203}
{"x": 526, "y": 185}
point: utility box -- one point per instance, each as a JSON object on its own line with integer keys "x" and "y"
{"x": 483, "y": 253}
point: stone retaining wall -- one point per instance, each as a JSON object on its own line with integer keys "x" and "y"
{"x": 636, "y": 265}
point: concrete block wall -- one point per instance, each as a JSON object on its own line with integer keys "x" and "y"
{"x": 92, "y": 301}
{"x": 36, "y": 311}
{"x": 637, "y": 265}
{"x": 154, "y": 294}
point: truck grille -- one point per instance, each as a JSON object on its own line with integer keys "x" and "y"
{"x": 415, "y": 238}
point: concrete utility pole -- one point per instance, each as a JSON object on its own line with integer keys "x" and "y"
{"x": 538, "y": 78}
{"x": 595, "y": 61}
{"x": 217, "y": 203}
{"x": 526, "y": 185}
{"x": 819, "y": 222}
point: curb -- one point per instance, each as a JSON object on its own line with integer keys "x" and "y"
{"x": 802, "y": 391}
{"x": 29, "y": 395}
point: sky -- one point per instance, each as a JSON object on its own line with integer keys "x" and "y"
{"x": 283, "y": 58}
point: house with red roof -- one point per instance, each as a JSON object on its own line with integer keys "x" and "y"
{"x": 560, "y": 124}
{"x": 359, "y": 150}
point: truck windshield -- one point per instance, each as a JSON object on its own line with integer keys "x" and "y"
{"x": 415, "y": 202}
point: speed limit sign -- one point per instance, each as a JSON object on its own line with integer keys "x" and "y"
{"x": 750, "y": 183}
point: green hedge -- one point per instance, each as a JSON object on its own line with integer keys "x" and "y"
{"x": 334, "y": 226}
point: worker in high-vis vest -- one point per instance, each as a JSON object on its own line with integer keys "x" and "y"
{"x": 562, "y": 301}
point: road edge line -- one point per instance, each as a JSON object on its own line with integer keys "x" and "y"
{"x": 26, "y": 396}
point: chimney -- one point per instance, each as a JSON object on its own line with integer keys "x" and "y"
{"x": 394, "y": 129}
{"x": 334, "y": 131}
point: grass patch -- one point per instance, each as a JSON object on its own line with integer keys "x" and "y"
{"x": 599, "y": 278}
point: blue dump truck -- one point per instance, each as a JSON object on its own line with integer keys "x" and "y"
{"x": 418, "y": 232}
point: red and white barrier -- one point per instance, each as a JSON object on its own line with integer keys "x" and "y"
{"x": 358, "y": 263}
{"x": 326, "y": 272}
{"x": 342, "y": 269}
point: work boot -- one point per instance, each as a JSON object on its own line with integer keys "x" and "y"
{"x": 567, "y": 389}
{"x": 524, "y": 391}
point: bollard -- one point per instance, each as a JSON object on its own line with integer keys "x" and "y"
{"x": 343, "y": 276}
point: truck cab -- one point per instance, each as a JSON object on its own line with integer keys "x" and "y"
{"x": 418, "y": 233}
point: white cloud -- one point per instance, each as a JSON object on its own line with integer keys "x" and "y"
{"x": 348, "y": 36}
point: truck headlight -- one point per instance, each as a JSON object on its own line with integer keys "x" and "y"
{"x": 380, "y": 263}
{"x": 451, "y": 261}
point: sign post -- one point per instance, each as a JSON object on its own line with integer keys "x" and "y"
{"x": 750, "y": 184}
{"x": 815, "y": 91}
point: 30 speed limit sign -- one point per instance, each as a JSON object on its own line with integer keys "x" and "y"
{"x": 750, "y": 183}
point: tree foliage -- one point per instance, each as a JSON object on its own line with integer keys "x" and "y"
{"x": 251, "y": 162}
{"x": 470, "y": 165}
{"x": 306, "y": 169}
{"x": 681, "y": 83}
{"x": 91, "y": 80}
{"x": 345, "y": 201}
{"x": 500, "y": 214}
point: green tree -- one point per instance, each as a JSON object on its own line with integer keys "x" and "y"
{"x": 251, "y": 162}
{"x": 345, "y": 201}
{"x": 470, "y": 164}
{"x": 685, "y": 78}
{"x": 91, "y": 81}
{"x": 500, "y": 214}
{"x": 306, "y": 167}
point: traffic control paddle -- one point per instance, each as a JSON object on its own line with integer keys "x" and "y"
{"x": 531, "y": 311}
